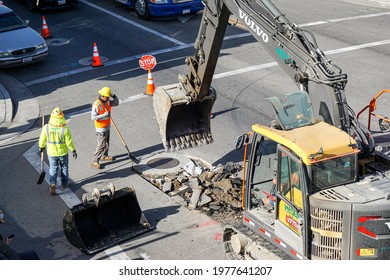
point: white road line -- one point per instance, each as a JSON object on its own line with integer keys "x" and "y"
{"x": 183, "y": 46}
{"x": 32, "y": 156}
{"x": 358, "y": 47}
{"x": 217, "y": 76}
{"x": 140, "y": 26}
{"x": 72, "y": 115}
{"x": 272, "y": 64}
{"x": 109, "y": 63}
{"x": 343, "y": 19}
{"x": 116, "y": 253}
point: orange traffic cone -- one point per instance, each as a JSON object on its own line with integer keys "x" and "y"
{"x": 96, "y": 62}
{"x": 150, "y": 85}
{"x": 45, "y": 29}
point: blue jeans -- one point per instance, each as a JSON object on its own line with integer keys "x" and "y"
{"x": 55, "y": 163}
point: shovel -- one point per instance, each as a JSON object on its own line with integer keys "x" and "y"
{"x": 133, "y": 158}
{"x": 43, "y": 173}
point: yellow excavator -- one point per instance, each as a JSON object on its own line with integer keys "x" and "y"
{"x": 315, "y": 184}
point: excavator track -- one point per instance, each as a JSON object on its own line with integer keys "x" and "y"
{"x": 260, "y": 248}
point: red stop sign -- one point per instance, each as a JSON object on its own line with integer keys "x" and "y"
{"x": 147, "y": 62}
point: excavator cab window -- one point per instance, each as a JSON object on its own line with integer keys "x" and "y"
{"x": 289, "y": 197}
{"x": 290, "y": 180}
{"x": 334, "y": 172}
{"x": 295, "y": 112}
{"x": 262, "y": 171}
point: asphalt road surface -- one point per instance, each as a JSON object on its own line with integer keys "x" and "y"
{"x": 354, "y": 34}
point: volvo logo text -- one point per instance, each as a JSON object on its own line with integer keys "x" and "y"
{"x": 252, "y": 25}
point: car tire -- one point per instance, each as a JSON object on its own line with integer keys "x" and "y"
{"x": 142, "y": 9}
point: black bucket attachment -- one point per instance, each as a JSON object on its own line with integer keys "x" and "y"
{"x": 105, "y": 218}
{"x": 184, "y": 123}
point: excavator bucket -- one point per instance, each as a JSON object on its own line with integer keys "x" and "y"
{"x": 105, "y": 217}
{"x": 183, "y": 123}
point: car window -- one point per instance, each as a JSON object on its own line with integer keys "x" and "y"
{"x": 10, "y": 21}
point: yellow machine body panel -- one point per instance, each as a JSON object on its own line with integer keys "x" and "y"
{"x": 312, "y": 143}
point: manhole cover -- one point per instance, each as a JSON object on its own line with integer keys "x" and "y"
{"x": 55, "y": 42}
{"x": 88, "y": 60}
{"x": 163, "y": 163}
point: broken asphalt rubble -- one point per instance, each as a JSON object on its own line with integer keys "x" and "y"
{"x": 214, "y": 190}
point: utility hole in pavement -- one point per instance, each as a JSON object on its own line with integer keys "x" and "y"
{"x": 56, "y": 42}
{"x": 88, "y": 60}
{"x": 163, "y": 163}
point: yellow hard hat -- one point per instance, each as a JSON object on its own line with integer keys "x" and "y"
{"x": 105, "y": 91}
{"x": 57, "y": 113}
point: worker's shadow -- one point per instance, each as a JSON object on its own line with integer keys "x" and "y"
{"x": 153, "y": 216}
{"x": 116, "y": 172}
{"x": 159, "y": 148}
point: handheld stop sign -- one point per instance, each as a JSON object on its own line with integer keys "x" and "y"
{"x": 147, "y": 62}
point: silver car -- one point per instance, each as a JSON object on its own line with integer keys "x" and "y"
{"x": 19, "y": 44}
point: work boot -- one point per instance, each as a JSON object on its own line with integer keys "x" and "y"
{"x": 107, "y": 158}
{"x": 95, "y": 165}
{"x": 64, "y": 187}
{"x": 52, "y": 189}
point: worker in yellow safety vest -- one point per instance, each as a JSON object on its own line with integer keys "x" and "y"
{"x": 57, "y": 138}
{"x": 101, "y": 115}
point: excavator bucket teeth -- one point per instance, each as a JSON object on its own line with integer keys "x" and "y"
{"x": 183, "y": 123}
{"x": 95, "y": 225}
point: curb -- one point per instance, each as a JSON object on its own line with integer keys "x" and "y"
{"x": 6, "y": 117}
{"x": 21, "y": 108}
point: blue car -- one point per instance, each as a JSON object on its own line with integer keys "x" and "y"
{"x": 145, "y": 9}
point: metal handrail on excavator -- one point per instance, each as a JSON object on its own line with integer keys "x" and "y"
{"x": 384, "y": 122}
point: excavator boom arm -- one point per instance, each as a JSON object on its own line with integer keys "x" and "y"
{"x": 293, "y": 48}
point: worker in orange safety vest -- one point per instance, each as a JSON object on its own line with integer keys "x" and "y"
{"x": 101, "y": 115}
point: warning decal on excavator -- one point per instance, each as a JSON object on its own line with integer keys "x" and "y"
{"x": 289, "y": 217}
{"x": 367, "y": 252}
{"x": 293, "y": 223}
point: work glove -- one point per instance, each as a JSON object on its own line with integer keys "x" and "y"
{"x": 74, "y": 154}
{"x": 105, "y": 114}
{"x": 41, "y": 150}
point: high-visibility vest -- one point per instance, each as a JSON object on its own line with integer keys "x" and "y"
{"x": 50, "y": 137}
{"x": 57, "y": 140}
{"x": 102, "y": 107}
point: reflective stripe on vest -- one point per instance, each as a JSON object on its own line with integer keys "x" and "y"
{"x": 61, "y": 137}
{"x": 102, "y": 108}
